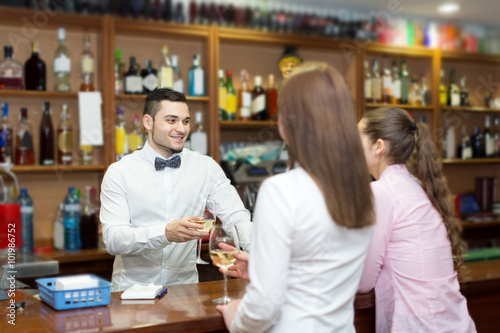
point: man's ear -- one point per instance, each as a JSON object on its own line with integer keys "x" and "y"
{"x": 147, "y": 121}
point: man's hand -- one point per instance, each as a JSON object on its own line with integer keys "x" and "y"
{"x": 228, "y": 311}
{"x": 182, "y": 230}
{"x": 240, "y": 267}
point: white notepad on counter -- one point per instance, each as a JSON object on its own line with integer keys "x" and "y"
{"x": 142, "y": 292}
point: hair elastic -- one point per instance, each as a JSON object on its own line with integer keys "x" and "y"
{"x": 414, "y": 126}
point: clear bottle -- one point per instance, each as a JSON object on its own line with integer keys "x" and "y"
{"x": 450, "y": 141}
{"x": 259, "y": 111}
{"x": 405, "y": 83}
{"x": 425, "y": 92}
{"x": 244, "y": 98}
{"x": 26, "y": 204}
{"x": 118, "y": 72}
{"x": 178, "y": 84}
{"x": 132, "y": 78}
{"x": 222, "y": 96}
{"x": 24, "y": 153}
{"x": 453, "y": 91}
{"x": 11, "y": 72}
{"x": 231, "y": 104}
{"x": 136, "y": 135}
{"x": 35, "y": 70}
{"x": 272, "y": 99}
{"x": 196, "y": 78}
{"x": 86, "y": 154}
{"x": 376, "y": 83}
{"x": 87, "y": 66}
{"x": 72, "y": 208}
{"x": 386, "y": 83}
{"x": 62, "y": 64}
{"x": 47, "y": 156}
{"x": 489, "y": 142}
{"x": 149, "y": 78}
{"x": 464, "y": 94}
{"x": 6, "y": 137}
{"x": 368, "y": 84}
{"x": 64, "y": 138}
{"x": 199, "y": 141}
{"x": 121, "y": 146}
{"x": 466, "y": 148}
{"x": 415, "y": 94}
{"x": 89, "y": 225}
{"x": 396, "y": 84}
{"x": 166, "y": 73}
{"x": 58, "y": 232}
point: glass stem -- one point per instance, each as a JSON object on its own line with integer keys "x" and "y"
{"x": 225, "y": 287}
{"x": 199, "y": 248}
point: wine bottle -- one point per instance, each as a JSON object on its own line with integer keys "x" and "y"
{"x": 62, "y": 64}
{"x": 272, "y": 99}
{"x": 132, "y": 78}
{"x": 64, "y": 138}
{"x": 34, "y": 70}
{"x": 259, "y": 111}
{"x": 149, "y": 78}
{"x": 196, "y": 79}
{"x": 25, "y": 154}
{"x": 166, "y": 75}
{"x": 87, "y": 66}
{"x": 230, "y": 96}
{"x": 46, "y": 137}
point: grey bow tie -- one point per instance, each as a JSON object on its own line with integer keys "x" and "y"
{"x": 173, "y": 162}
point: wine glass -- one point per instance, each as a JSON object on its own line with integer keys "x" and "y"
{"x": 223, "y": 258}
{"x": 207, "y": 211}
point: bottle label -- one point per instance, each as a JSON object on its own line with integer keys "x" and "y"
{"x": 222, "y": 98}
{"x": 368, "y": 89}
{"x": 134, "y": 142}
{"x": 62, "y": 64}
{"x": 258, "y": 104}
{"x": 396, "y": 89}
{"x": 455, "y": 99}
{"x": 490, "y": 146}
{"x": 26, "y": 209}
{"x": 199, "y": 82}
{"x": 150, "y": 82}
{"x": 231, "y": 104}
{"x": 179, "y": 86}
{"x": 133, "y": 84}
{"x": 166, "y": 77}
{"x": 387, "y": 83}
{"x": 65, "y": 142}
{"x": 245, "y": 112}
{"x": 72, "y": 208}
{"x": 87, "y": 65}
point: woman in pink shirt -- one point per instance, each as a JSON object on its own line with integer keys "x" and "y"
{"x": 410, "y": 259}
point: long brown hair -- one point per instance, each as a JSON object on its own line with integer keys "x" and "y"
{"x": 411, "y": 144}
{"x": 317, "y": 116}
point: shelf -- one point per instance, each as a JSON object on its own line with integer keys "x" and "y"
{"x": 405, "y": 51}
{"x": 483, "y": 224}
{"x": 53, "y": 19}
{"x": 142, "y": 97}
{"x": 469, "y": 108}
{"x": 470, "y": 57}
{"x": 37, "y": 94}
{"x": 251, "y": 125}
{"x": 405, "y": 107}
{"x": 140, "y": 27}
{"x": 57, "y": 168}
{"x": 492, "y": 160}
{"x": 78, "y": 256}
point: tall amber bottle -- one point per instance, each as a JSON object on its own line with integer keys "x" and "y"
{"x": 272, "y": 99}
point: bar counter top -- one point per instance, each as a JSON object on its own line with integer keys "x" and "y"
{"x": 189, "y": 308}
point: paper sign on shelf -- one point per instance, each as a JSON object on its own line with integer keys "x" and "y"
{"x": 90, "y": 115}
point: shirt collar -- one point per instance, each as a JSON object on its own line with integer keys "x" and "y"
{"x": 152, "y": 154}
{"x": 393, "y": 169}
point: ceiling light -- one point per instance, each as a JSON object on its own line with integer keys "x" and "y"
{"x": 448, "y": 8}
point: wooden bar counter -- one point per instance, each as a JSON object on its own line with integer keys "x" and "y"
{"x": 189, "y": 308}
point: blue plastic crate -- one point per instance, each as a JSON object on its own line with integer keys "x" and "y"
{"x": 75, "y": 298}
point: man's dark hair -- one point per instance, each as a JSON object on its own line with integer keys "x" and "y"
{"x": 156, "y": 96}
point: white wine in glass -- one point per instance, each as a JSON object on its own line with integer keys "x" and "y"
{"x": 223, "y": 258}
{"x": 206, "y": 210}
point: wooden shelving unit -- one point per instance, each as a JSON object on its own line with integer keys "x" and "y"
{"x": 406, "y": 107}
{"x": 482, "y": 224}
{"x": 470, "y": 109}
{"x": 492, "y": 160}
{"x": 251, "y": 125}
{"x": 20, "y": 169}
{"x": 37, "y": 94}
{"x": 142, "y": 98}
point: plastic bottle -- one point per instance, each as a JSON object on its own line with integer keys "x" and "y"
{"x": 59, "y": 228}
{"x": 26, "y": 204}
{"x": 72, "y": 240}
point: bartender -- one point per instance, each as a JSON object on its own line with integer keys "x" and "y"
{"x": 148, "y": 197}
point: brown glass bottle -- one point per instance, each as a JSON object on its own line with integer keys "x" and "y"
{"x": 34, "y": 70}
{"x": 25, "y": 155}
{"x": 272, "y": 99}
{"x": 259, "y": 111}
{"x": 47, "y": 156}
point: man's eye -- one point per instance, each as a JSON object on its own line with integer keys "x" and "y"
{"x": 186, "y": 122}
{"x": 171, "y": 121}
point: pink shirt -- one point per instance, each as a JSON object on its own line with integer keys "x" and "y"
{"x": 409, "y": 261}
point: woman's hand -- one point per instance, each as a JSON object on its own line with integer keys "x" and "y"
{"x": 228, "y": 311}
{"x": 240, "y": 267}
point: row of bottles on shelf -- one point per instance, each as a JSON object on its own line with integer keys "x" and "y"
{"x": 246, "y": 104}
{"x": 33, "y": 75}
{"x": 17, "y": 147}
{"x": 168, "y": 75}
{"x": 482, "y": 144}
{"x": 76, "y": 224}
{"x": 283, "y": 17}
{"x": 395, "y": 87}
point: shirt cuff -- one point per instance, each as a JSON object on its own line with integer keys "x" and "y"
{"x": 157, "y": 233}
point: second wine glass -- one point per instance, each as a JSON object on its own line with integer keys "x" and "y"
{"x": 207, "y": 211}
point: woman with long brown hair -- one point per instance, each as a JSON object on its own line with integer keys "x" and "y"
{"x": 410, "y": 260}
{"x": 312, "y": 224}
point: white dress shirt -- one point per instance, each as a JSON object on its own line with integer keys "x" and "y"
{"x": 137, "y": 202}
{"x": 304, "y": 268}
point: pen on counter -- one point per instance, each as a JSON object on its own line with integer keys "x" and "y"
{"x": 161, "y": 293}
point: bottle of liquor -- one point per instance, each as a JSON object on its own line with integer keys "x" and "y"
{"x": 272, "y": 99}
{"x": 415, "y": 94}
{"x": 34, "y": 70}
{"x": 25, "y": 154}
{"x": 119, "y": 68}
{"x": 6, "y": 136}
{"x": 178, "y": 84}
{"x": 199, "y": 136}
{"x": 132, "y": 78}
{"x": 464, "y": 94}
{"x": 193, "y": 12}
{"x": 179, "y": 16}
{"x": 26, "y": 204}
{"x": 121, "y": 146}
{"x": 368, "y": 84}
{"x": 376, "y": 83}
{"x": 47, "y": 156}
{"x": 443, "y": 96}
{"x": 196, "y": 80}
{"x": 425, "y": 92}
{"x": 450, "y": 141}
{"x": 396, "y": 84}
{"x": 466, "y": 148}
{"x": 166, "y": 77}
{"x": 71, "y": 223}
{"x": 64, "y": 138}
{"x": 11, "y": 72}
{"x": 222, "y": 96}
{"x": 149, "y": 78}
{"x": 136, "y": 135}
{"x": 489, "y": 142}
{"x": 477, "y": 143}
{"x": 230, "y": 96}
{"x": 244, "y": 98}
{"x": 386, "y": 84}
{"x": 89, "y": 225}
{"x": 405, "y": 83}
{"x": 87, "y": 66}
{"x": 496, "y": 136}
{"x": 259, "y": 111}
{"x": 453, "y": 92}
{"x": 62, "y": 64}
{"x": 58, "y": 234}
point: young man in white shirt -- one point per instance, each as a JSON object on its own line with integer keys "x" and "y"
{"x": 148, "y": 197}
